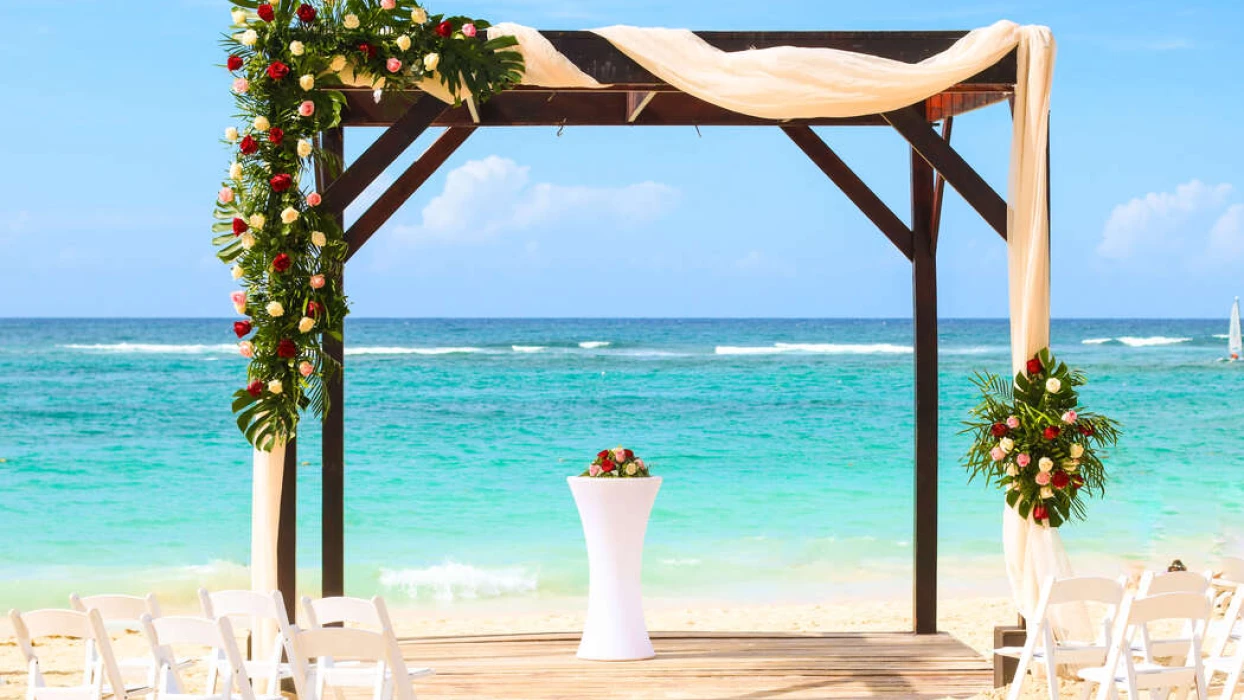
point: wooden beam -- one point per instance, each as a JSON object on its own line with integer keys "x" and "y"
{"x": 405, "y": 185}
{"x": 939, "y": 187}
{"x": 924, "y": 327}
{"x": 383, "y": 151}
{"x": 852, "y": 186}
{"x": 635, "y": 103}
{"x": 287, "y": 530}
{"x": 332, "y": 442}
{"x": 911, "y": 123}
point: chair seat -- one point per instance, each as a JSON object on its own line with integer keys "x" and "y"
{"x": 257, "y": 668}
{"x": 1220, "y": 664}
{"x": 1066, "y": 653}
{"x": 218, "y": 696}
{"x": 1165, "y": 648}
{"x": 1147, "y": 675}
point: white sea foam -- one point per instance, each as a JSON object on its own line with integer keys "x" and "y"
{"x": 593, "y": 344}
{"x": 454, "y": 581}
{"x": 681, "y": 562}
{"x": 153, "y": 348}
{"x": 379, "y": 350}
{"x": 816, "y": 349}
{"x": 1221, "y": 336}
{"x": 528, "y": 348}
{"x": 1151, "y": 341}
{"x": 1095, "y": 341}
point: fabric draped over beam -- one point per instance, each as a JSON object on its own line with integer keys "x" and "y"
{"x": 269, "y": 470}
{"x": 786, "y": 82}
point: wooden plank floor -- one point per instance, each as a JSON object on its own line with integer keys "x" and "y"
{"x": 702, "y": 666}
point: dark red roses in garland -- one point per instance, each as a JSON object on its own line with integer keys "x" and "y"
{"x": 281, "y": 262}
{"x": 281, "y": 182}
{"x": 255, "y": 388}
{"x": 275, "y": 135}
{"x": 234, "y": 62}
{"x": 239, "y": 226}
{"x": 306, "y": 13}
{"x": 241, "y": 328}
{"x": 286, "y": 349}
{"x": 277, "y": 70}
{"x": 265, "y": 12}
{"x": 248, "y": 146}
{"x": 444, "y": 29}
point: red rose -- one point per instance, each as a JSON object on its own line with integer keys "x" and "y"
{"x": 629, "y": 455}
{"x": 1086, "y": 429}
{"x": 277, "y": 70}
{"x": 1077, "y": 481}
{"x": 234, "y": 63}
{"x": 286, "y": 349}
{"x": 1034, "y": 366}
{"x": 603, "y": 454}
{"x": 275, "y": 135}
{"x": 998, "y": 429}
{"x": 248, "y": 146}
{"x": 241, "y": 327}
{"x": 367, "y": 49}
{"x": 313, "y": 309}
{"x": 281, "y": 262}
{"x": 1060, "y": 479}
{"x": 1050, "y": 433}
{"x": 239, "y": 226}
{"x": 281, "y": 182}
{"x": 265, "y": 12}
{"x": 1040, "y": 513}
{"x": 606, "y": 466}
{"x": 445, "y": 28}
{"x": 306, "y": 13}
{"x": 255, "y": 388}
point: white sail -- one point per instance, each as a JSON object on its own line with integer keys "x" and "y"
{"x": 1233, "y": 335}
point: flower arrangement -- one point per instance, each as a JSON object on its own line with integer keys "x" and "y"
{"x": 1033, "y": 439}
{"x": 286, "y": 60}
{"x": 618, "y": 463}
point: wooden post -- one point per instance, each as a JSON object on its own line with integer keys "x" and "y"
{"x": 332, "y": 450}
{"x": 287, "y": 529}
{"x": 924, "y": 323}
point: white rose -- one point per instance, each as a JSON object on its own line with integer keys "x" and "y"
{"x": 350, "y": 21}
{"x": 1053, "y": 386}
{"x": 235, "y": 171}
{"x": 1012, "y": 470}
{"x": 248, "y": 241}
{"x": 306, "y": 324}
{"x": 297, "y": 48}
{"x": 304, "y": 148}
{"x": 418, "y": 15}
{"x": 631, "y": 469}
{"x": 249, "y": 37}
{"x": 275, "y": 310}
{"x": 262, "y": 124}
{"x": 275, "y": 386}
{"x": 318, "y": 238}
{"x": 1077, "y": 450}
{"x": 237, "y": 272}
{"x": 289, "y": 215}
{"x": 1046, "y": 464}
{"x": 1047, "y": 492}
{"x": 231, "y": 134}
{"x": 403, "y": 42}
{"x": 306, "y": 82}
{"x": 1007, "y": 444}
{"x": 238, "y": 16}
{"x": 431, "y": 61}
{"x": 338, "y": 64}
{"x": 257, "y": 221}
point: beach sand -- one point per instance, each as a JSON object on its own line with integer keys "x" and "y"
{"x": 970, "y": 620}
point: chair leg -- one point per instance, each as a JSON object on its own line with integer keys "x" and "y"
{"x": 1086, "y": 689}
{"x": 1051, "y": 675}
{"x": 1017, "y": 682}
{"x": 1228, "y": 688}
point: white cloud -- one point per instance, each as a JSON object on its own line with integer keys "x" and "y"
{"x": 1146, "y": 221}
{"x": 1226, "y": 238}
{"x": 484, "y": 199}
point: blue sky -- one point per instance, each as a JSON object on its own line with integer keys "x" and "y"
{"x": 111, "y": 161}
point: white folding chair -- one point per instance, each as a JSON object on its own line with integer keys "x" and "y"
{"x": 244, "y": 609}
{"x": 1219, "y": 661}
{"x": 100, "y": 677}
{"x": 1122, "y": 671}
{"x": 373, "y": 657}
{"x": 371, "y": 614}
{"x": 166, "y": 635}
{"x": 1042, "y": 646}
{"x": 1152, "y": 584}
{"x": 122, "y": 613}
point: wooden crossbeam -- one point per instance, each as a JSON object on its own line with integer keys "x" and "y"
{"x": 383, "y": 151}
{"x": 910, "y": 122}
{"x": 635, "y": 103}
{"x": 939, "y": 185}
{"x": 405, "y": 186}
{"x": 852, "y": 186}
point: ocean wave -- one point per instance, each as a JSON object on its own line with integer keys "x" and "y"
{"x": 1132, "y": 342}
{"x": 528, "y": 348}
{"x": 1095, "y": 341}
{"x": 1221, "y": 336}
{"x": 149, "y": 348}
{"x": 675, "y": 561}
{"x": 593, "y": 344}
{"x": 411, "y": 351}
{"x": 816, "y": 349}
{"x": 454, "y": 581}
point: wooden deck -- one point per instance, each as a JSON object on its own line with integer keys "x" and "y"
{"x": 703, "y": 666}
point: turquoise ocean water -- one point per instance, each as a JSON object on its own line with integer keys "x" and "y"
{"x": 786, "y": 447}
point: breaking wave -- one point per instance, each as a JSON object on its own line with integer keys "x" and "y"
{"x": 454, "y": 581}
{"x": 816, "y": 349}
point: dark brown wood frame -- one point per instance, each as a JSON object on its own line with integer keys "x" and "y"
{"x": 634, "y": 97}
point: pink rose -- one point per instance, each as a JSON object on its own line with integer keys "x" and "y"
{"x": 238, "y": 297}
{"x": 225, "y": 196}
{"x": 317, "y": 281}
{"x": 1012, "y": 422}
{"x": 594, "y": 470}
{"x": 468, "y": 30}
{"x": 1070, "y": 417}
{"x": 388, "y": 4}
{"x": 307, "y": 108}
{"x": 997, "y": 454}
{"x": 314, "y": 199}
{"x": 241, "y": 85}
{"x": 1043, "y": 478}
{"x": 306, "y": 368}
{"x": 1023, "y": 459}
{"x": 246, "y": 349}
{"x": 393, "y": 65}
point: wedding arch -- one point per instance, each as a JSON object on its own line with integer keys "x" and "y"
{"x": 910, "y": 81}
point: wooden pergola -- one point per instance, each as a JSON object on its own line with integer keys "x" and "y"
{"x": 634, "y": 97}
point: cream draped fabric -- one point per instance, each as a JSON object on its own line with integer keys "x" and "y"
{"x": 269, "y": 467}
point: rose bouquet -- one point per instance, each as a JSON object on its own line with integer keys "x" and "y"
{"x": 1032, "y": 438}
{"x": 618, "y": 463}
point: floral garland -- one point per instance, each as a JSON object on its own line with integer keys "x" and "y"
{"x": 1034, "y": 440}
{"x": 618, "y": 463}
{"x": 287, "y": 58}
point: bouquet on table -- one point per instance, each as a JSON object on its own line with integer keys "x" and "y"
{"x": 1032, "y": 438}
{"x": 618, "y": 463}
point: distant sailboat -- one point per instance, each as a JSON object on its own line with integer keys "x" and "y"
{"x": 1233, "y": 335}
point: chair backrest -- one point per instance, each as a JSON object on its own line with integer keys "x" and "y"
{"x": 244, "y": 605}
{"x": 1172, "y": 582}
{"x": 74, "y": 624}
{"x": 118, "y": 608}
{"x": 1084, "y": 589}
{"x": 1232, "y": 569}
{"x": 371, "y": 613}
{"x": 344, "y": 643}
{"x": 164, "y": 634}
